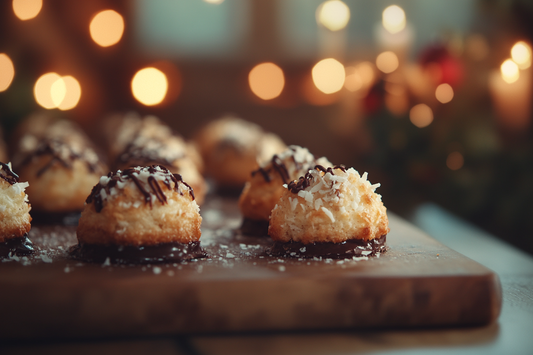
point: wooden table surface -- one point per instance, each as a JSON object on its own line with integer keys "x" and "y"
{"x": 511, "y": 334}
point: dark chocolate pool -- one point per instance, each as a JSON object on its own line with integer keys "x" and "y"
{"x": 16, "y": 246}
{"x": 153, "y": 254}
{"x": 348, "y": 249}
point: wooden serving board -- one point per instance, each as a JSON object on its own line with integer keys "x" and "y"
{"x": 417, "y": 282}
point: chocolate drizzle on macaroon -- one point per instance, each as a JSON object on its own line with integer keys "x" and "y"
{"x": 103, "y": 188}
{"x": 20, "y": 245}
{"x": 7, "y": 174}
{"x": 305, "y": 181}
{"x": 279, "y": 166}
{"x": 62, "y": 153}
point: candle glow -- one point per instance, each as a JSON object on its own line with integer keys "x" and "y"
{"x": 333, "y": 14}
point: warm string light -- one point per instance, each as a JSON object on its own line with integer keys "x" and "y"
{"x": 149, "y": 86}
{"x": 7, "y": 72}
{"x": 106, "y": 28}
{"x": 266, "y": 80}
{"x": 521, "y": 55}
{"x": 421, "y": 115}
{"x": 393, "y": 19}
{"x": 387, "y": 62}
{"x": 333, "y": 14}
{"x": 54, "y": 91}
{"x": 329, "y": 75}
{"x": 510, "y": 71}
{"x": 444, "y": 93}
{"x": 359, "y": 77}
{"x": 27, "y": 9}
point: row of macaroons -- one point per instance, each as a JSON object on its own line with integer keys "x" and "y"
{"x": 61, "y": 164}
{"x": 150, "y": 206}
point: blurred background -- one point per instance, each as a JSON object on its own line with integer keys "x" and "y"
{"x": 432, "y": 97}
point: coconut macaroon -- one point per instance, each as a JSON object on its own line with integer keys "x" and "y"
{"x": 232, "y": 148}
{"x": 265, "y": 186}
{"x": 61, "y": 167}
{"x": 329, "y": 212}
{"x": 154, "y": 143}
{"x": 140, "y": 215}
{"x": 14, "y": 214}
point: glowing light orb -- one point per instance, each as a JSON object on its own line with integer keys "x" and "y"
{"x": 393, "y": 19}
{"x": 106, "y": 28}
{"x": 54, "y": 91}
{"x": 421, "y": 115}
{"x": 333, "y": 14}
{"x": 149, "y": 86}
{"x": 7, "y": 72}
{"x": 266, "y": 80}
{"x": 329, "y": 75}
{"x": 42, "y": 90}
{"x": 387, "y": 62}
{"x": 72, "y": 93}
{"x": 27, "y": 9}
{"x": 521, "y": 54}
{"x": 444, "y": 93}
{"x": 510, "y": 71}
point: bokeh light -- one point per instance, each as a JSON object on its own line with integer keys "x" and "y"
{"x": 387, "y": 62}
{"x": 329, "y": 75}
{"x": 333, "y": 14}
{"x": 266, "y": 80}
{"x": 149, "y": 86}
{"x": 444, "y": 93}
{"x": 27, "y": 9}
{"x": 215, "y": 2}
{"x": 521, "y": 54}
{"x": 393, "y": 19}
{"x": 107, "y": 28}
{"x": 58, "y": 90}
{"x": 359, "y": 77}
{"x": 7, "y": 71}
{"x": 42, "y": 90}
{"x": 54, "y": 91}
{"x": 72, "y": 93}
{"x": 510, "y": 71}
{"x": 397, "y": 104}
{"x": 455, "y": 161}
{"x": 421, "y": 115}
